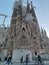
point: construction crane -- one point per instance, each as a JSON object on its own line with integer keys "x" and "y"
{"x": 4, "y": 18}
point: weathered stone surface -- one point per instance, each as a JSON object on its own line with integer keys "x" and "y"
{"x": 24, "y": 31}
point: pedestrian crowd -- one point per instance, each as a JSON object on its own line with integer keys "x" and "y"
{"x": 38, "y": 59}
{"x": 8, "y": 58}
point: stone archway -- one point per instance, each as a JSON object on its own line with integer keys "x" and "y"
{"x": 23, "y": 41}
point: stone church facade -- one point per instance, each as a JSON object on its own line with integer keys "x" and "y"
{"x": 24, "y": 32}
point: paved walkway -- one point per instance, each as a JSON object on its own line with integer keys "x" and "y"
{"x": 14, "y": 63}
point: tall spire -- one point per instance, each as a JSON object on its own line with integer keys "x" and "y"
{"x": 17, "y": 10}
{"x": 31, "y": 5}
{"x": 32, "y": 10}
{"x": 20, "y": 2}
{"x": 20, "y": 8}
{"x": 28, "y": 7}
{"x": 27, "y": 2}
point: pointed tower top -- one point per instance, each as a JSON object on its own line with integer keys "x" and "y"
{"x": 45, "y": 31}
{"x": 41, "y": 30}
{"x": 28, "y": 7}
{"x": 20, "y": 2}
{"x": 31, "y": 5}
{"x": 17, "y": 3}
{"x": 27, "y": 2}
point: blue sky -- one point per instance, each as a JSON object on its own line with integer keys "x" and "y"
{"x": 42, "y": 12}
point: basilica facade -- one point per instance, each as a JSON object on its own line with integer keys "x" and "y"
{"x": 24, "y": 32}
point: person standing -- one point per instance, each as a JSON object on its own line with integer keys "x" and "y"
{"x": 21, "y": 60}
{"x": 0, "y": 58}
{"x": 9, "y": 58}
{"x": 39, "y": 59}
{"x": 27, "y": 59}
